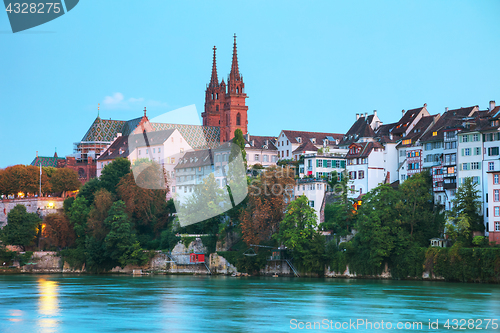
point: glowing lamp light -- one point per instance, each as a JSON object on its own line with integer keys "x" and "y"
{"x": 50, "y": 205}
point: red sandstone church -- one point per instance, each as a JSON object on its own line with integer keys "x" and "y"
{"x": 225, "y": 104}
{"x": 225, "y": 111}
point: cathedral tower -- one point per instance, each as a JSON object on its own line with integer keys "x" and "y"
{"x": 214, "y": 98}
{"x": 235, "y": 111}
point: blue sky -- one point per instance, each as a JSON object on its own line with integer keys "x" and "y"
{"x": 306, "y": 65}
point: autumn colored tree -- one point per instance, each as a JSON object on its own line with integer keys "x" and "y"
{"x": 24, "y": 179}
{"x": 98, "y": 214}
{"x": 58, "y": 231}
{"x": 144, "y": 194}
{"x": 64, "y": 180}
{"x": 267, "y": 200}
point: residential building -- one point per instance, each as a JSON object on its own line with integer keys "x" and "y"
{"x": 493, "y": 226}
{"x": 289, "y": 141}
{"x": 319, "y": 166}
{"x": 365, "y": 166}
{"x": 261, "y": 150}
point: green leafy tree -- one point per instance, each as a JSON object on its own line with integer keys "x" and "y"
{"x": 468, "y": 202}
{"x": 22, "y": 227}
{"x": 78, "y": 214}
{"x": 113, "y": 172}
{"x": 297, "y": 232}
{"x": 239, "y": 141}
{"x": 88, "y": 189}
{"x": 458, "y": 229}
{"x": 379, "y": 228}
{"x": 121, "y": 243}
{"x": 340, "y": 215}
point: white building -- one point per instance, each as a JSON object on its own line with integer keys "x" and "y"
{"x": 261, "y": 150}
{"x": 365, "y": 166}
{"x": 314, "y": 190}
{"x": 289, "y": 141}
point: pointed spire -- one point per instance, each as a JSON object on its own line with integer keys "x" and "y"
{"x": 144, "y": 111}
{"x": 214, "y": 81}
{"x": 235, "y": 73}
{"x": 98, "y": 106}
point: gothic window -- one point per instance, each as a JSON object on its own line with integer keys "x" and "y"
{"x": 237, "y": 90}
{"x": 238, "y": 119}
{"x": 217, "y": 108}
{"x": 212, "y": 96}
{"x": 217, "y": 96}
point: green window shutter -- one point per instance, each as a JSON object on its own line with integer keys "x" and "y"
{"x": 317, "y": 163}
{"x": 462, "y": 152}
{"x": 479, "y": 165}
{"x": 317, "y": 174}
{"x": 324, "y": 164}
{"x": 342, "y": 164}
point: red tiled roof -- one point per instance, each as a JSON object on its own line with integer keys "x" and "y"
{"x": 293, "y": 135}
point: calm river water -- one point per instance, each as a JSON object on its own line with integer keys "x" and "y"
{"x": 68, "y": 303}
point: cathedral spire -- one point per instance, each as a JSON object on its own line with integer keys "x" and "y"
{"x": 235, "y": 73}
{"x": 214, "y": 81}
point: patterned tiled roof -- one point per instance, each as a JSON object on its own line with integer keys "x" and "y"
{"x": 197, "y": 136}
{"x": 46, "y": 161}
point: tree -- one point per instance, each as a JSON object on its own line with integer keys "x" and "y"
{"x": 113, "y": 172}
{"x": 379, "y": 229}
{"x": 468, "y": 202}
{"x": 22, "y": 227}
{"x": 58, "y": 231}
{"x": 78, "y": 214}
{"x": 98, "y": 214}
{"x": 298, "y": 233}
{"x": 458, "y": 229}
{"x": 88, "y": 189}
{"x": 268, "y": 197}
{"x": 340, "y": 215}
{"x": 64, "y": 180}
{"x": 121, "y": 243}
{"x": 239, "y": 141}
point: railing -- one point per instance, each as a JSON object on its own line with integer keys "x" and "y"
{"x": 292, "y": 268}
{"x": 448, "y": 186}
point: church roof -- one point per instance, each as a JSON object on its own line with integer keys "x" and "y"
{"x": 197, "y": 136}
{"x": 46, "y": 161}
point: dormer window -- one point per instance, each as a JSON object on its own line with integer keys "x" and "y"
{"x": 299, "y": 139}
{"x": 313, "y": 140}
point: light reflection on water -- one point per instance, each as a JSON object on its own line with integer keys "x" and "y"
{"x": 70, "y": 303}
{"x": 48, "y": 305}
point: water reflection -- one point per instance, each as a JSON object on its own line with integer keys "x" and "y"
{"x": 48, "y": 305}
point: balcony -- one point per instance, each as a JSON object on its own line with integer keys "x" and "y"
{"x": 449, "y": 186}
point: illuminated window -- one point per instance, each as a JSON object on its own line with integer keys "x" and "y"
{"x": 434, "y": 133}
{"x": 407, "y": 141}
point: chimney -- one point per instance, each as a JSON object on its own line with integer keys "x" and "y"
{"x": 402, "y": 112}
{"x": 366, "y": 115}
{"x": 246, "y": 136}
{"x": 37, "y": 154}
{"x": 425, "y": 105}
{"x": 357, "y": 116}
{"x": 446, "y": 109}
{"x": 374, "y": 113}
{"x": 492, "y": 105}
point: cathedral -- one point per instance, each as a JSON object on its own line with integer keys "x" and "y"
{"x": 225, "y": 103}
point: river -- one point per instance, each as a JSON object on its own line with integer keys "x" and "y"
{"x": 110, "y": 303}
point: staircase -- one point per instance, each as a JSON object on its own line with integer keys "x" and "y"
{"x": 292, "y": 268}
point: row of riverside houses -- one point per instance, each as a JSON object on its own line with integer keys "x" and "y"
{"x": 459, "y": 143}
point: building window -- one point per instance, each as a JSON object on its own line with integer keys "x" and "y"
{"x": 361, "y": 174}
{"x": 477, "y": 151}
{"x": 274, "y": 158}
{"x": 265, "y": 158}
{"x": 238, "y": 119}
{"x": 407, "y": 141}
{"x": 496, "y": 195}
{"x": 466, "y": 150}
{"x": 287, "y": 153}
{"x": 403, "y": 178}
{"x": 465, "y": 138}
{"x": 476, "y": 137}
{"x": 491, "y": 166}
{"x": 159, "y": 150}
{"x": 139, "y": 152}
{"x": 497, "y": 211}
{"x": 257, "y": 157}
{"x": 497, "y": 226}
{"x": 360, "y": 191}
{"x": 495, "y": 179}
{"x": 475, "y": 166}
{"x": 493, "y": 151}
{"x": 311, "y": 203}
{"x": 434, "y": 133}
